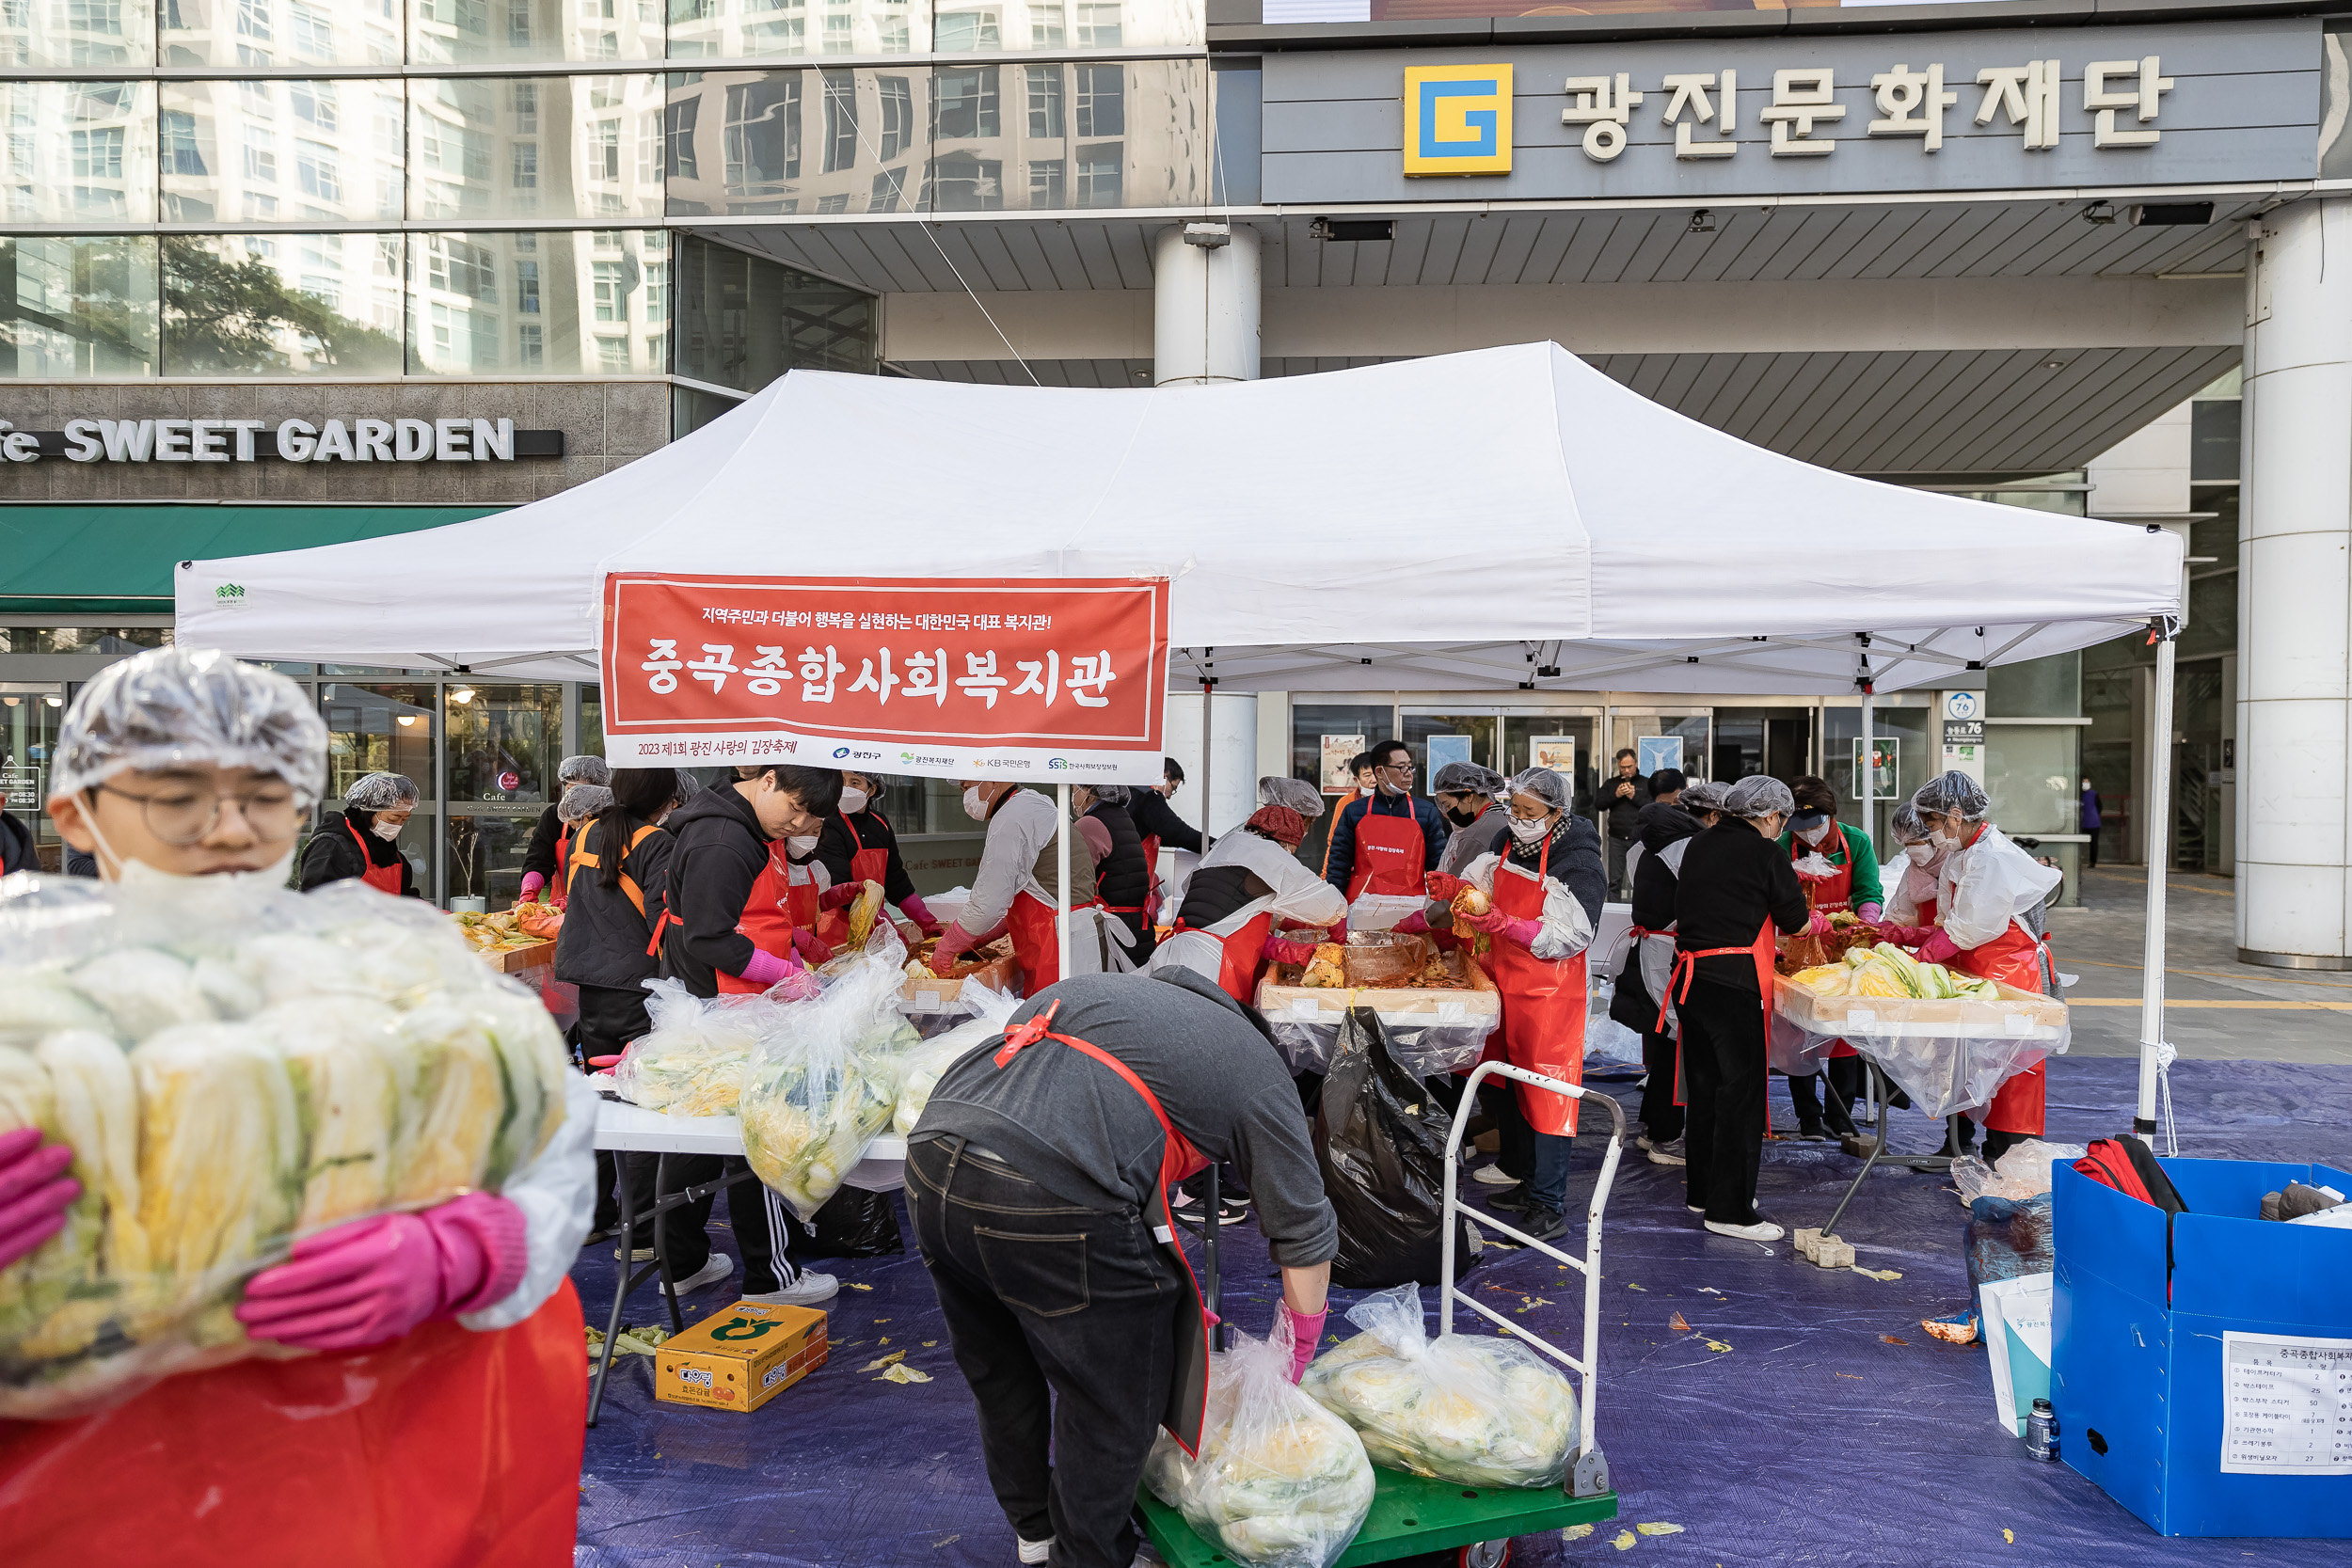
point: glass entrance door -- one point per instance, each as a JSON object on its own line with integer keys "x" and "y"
{"x": 1664, "y": 738}
{"x": 1437, "y": 738}
{"x": 385, "y": 729}
{"x": 1561, "y": 740}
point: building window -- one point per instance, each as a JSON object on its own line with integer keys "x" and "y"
{"x": 680, "y": 139}
{"x": 1102, "y": 101}
{"x": 526, "y": 165}
{"x": 605, "y": 239}
{"x": 762, "y": 138}
{"x": 1046, "y": 177}
{"x": 1046, "y": 28}
{"x": 1098, "y": 27}
{"x": 261, "y": 156}
{"x": 896, "y": 95}
{"x": 839, "y": 38}
{"x": 181, "y": 154}
{"x": 656, "y": 291}
{"x": 519, "y": 23}
{"x": 530, "y": 346}
{"x": 455, "y": 266}
{"x": 315, "y": 171}
{"x": 1045, "y": 102}
{"x": 890, "y": 189}
{"x": 313, "y": 34}
{"x": 314, "y": 104}
{"x": 611, "y": 291}
{"x": 253, "y": 20}
{"x": 526, "y": 289}
{"x": 835, "y": 203}
{"x": 966, "y": 31}
{"x": 840, "y": 121}
{"x": 604, "y": 152}
{"x": 1099, "y": 171}
{"x": 961, "y": 182}
{"x": 964, "y": 104}
{"x": 526, "y": 104}
{"x": 612, "y": 355}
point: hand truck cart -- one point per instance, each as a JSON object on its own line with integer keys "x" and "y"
{"x": 1412, "y": 1515}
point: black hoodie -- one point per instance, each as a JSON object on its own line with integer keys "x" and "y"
{"x": 16, "y": 846}
{"x": 1661, "y": 822}
{"x": 718, "y": 852}
{"x": 331, "y": 856}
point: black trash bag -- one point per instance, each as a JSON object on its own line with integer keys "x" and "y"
{"x": 1380, "y": 1144}
{"x": 853, "y": 1222}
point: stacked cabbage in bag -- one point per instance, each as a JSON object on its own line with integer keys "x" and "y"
{"x": 695, "y": 1062}
{"x": 1483, "y": 1412}
{"x": 927, "y": 1063}
{"x": 235, "y": 1068}
{"x": 1279, "y": 1481}
{"x": 824, "y": 1082}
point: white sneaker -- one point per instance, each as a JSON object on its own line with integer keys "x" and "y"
{"x": 719, "y": 1266}
{"x": 1035, "y": 1551}
{"x": 1491, "y": 1175}
{"x": 1762, "y": 1230}
{"x": 1696, "y": 1208}
{"x": 1666, "y": 1154}
{"x": 806, "y": 1290}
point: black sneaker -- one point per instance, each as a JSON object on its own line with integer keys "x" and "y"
{"x": 1545, "y": 1225}
{"x": 1189, "y": 1208}
{"x": 1517, "y": 1200}
{"x": 1811, "y": 1133}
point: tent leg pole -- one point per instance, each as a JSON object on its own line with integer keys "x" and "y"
{"x": 1866, "y": 771}
{"x": 1208, "y": 753}
{"x": 2152, "y": 1048}
{"x": 1061, "y": 885}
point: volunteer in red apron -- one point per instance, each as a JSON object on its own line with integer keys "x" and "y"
{"x": 1388, "y": 841}
{"x": 1734, "y": 889}
{"x": 1544, "y": 890}
{"x": 439, "y": 1424}
{"x": 1639, "y": 999}
{"x": 1247, "y": 888}
{"x": 1160, "y": 827}
{"x": 1013, "y": 891}
{"x": 363, "y": 840}
{"x": 858, "y": 845}
{"x": 547, "y": 855}
{"x": 1851, "y": 882}
{"x": 1912, "y": 901}
{"x": 1465, "y": 796}
{"x": 1990, "y": 896}
{"x": 1037, "y": 1181}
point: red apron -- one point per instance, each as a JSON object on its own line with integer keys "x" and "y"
{"x": 558, "y": 889}
{"x": 2014, "y": 958}
{"x": 1244, "y": 955}
{"x": 1838, "y": 891}
{"x": 447, "y": 1449}
{"x": 1189, "y": 1390}
{"x": 1391, "y": 853}
{"x": 865, "y": 865}
{"x": 1034, "y": 946}
{"x": 1151, "y": 881}
{"x": 1761, "y": 952}
{"x": 1543, "y": 1002}
{"x": 768, "y": 917}
{"x": 384, "y": 878}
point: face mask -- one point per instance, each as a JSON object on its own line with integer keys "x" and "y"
{"x": 1919, "y": 854}
{"x": 1530, "y": 830}
{"x": 148, "y": 881}
{"x": 803, "y": 845}
{"x": 1460, "y": 819}
{"x": 853, "y": 802}
{"x": 385, "y": 831}
{"x": 1944, "y": 840}
{"x": 1813, "y": 835}
{"x": 975, "y": 806}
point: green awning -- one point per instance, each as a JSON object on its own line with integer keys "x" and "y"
{"x": 119, "y": 560}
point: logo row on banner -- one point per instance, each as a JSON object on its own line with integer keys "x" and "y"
{"x": 1057, "y": 680}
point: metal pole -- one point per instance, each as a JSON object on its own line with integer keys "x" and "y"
{"x": 1208, "y": 749}
{"x": 1869, "y": 772}
{"x": 2159, "y": 856}
{"x": 1061, "y": 885}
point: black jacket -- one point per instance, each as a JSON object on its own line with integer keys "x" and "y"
{"x": 333, "y": 857}
{"x": 1124, "y": 879}
{"x": 16, "y": 846}
{"x": 1661, "y": 823}
{"x": 717, "y": 852}
{"x": 539, "y": 854}
{"x": 1733, "y": 880}
{"x": 1622, "y": 813}
{"x": 605, "y": 934}
{"x": 834, "y": 847}
{"x": 1654, "y": 893}
{"x": 1154, "y": 817}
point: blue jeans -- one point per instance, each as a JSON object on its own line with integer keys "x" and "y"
{"x": 1538, "y": 1158}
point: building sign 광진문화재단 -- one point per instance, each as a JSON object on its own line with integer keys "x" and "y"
{"x": 2000, "y": 109}
{"x": 1054, "y": 680}
{"x": 338, "y": 440}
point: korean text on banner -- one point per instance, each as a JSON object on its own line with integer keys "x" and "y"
{"x": 1059, "y": 680}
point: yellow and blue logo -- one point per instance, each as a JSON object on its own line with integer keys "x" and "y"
{"x": 1457, "y": 119}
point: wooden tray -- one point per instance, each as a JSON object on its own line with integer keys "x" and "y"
{"x": 2016, "y": 1014}
{"x": 516, "y": 959}
{"x": 1280, "y": 993}
{"x": 931, "y": 995}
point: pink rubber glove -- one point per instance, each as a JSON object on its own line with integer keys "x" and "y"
{"x": 766, "y": 968}
{"x": 811, "y": 947}
{"x": 1339, "y": 933}
{"x": 1521, "y": 932}
{"x": 1442, "y": 887}
{"x": 953, "y": 944}
{"x": 533, "y": 882}
{"x": 1413, "y": 924}
{"x": 1283, "y": 952}
{"x": 35, "y": 1191}
{"x": 840, "y": 898}
{"x": 1305, "y": 1332}
{"x": 376, "y": 1280}
{"x": 1492, "y": 921}
{"x": 1938, "y": 949}
{"x": 1870, "y": 913}
{"x": 1817, "y": 925}
{"x": 913, "y": 909}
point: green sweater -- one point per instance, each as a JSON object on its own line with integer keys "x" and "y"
{"x": 1861, "y": 855}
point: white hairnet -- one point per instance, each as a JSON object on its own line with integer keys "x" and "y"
{"x": 1953, "y": 794}
{"x": 580, "y": 770}
{"x": 381, "y": 792}
{"x": 578, "y": 806}
{"x": 1907, "y": 825}
{"x": 1466, "y": 778}
{"x": 1759, "y": 795}
{"x": 1293, "y": 794}
{"x": 1702, "y": 795}
{"x": 1111, "y": 795}
{"x": 1542, "y": 784}
{"x": 174, "y": 707}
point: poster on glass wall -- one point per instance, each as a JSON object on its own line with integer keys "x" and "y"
{"x": 1555, "y": 751}
{"x": 1447, "y": 747}
{"x": 1054, "y": 680}
{"x": 1654, "y": 752}
{"x": 1338, "y": 752}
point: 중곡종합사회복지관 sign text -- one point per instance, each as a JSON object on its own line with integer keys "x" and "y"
{"x": 1048, "y": 680}
{"x": 341, "y": 440}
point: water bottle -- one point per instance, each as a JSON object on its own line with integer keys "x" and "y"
{"x": 2042, "y": 1432}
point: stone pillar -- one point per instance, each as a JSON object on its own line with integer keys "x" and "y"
{"x": 2294, "y": 592}
{"x": 1204, "y": 303}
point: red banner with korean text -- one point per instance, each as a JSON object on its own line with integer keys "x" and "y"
{"x": 1059, "y": 680}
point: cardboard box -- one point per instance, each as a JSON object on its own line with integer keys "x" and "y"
{"x": 2014, "y": 1015}
{"x": 2192, "y": 1355}
{"x": 742, "y": 1357}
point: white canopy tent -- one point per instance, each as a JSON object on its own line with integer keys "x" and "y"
{"x": 1499, "y": 519}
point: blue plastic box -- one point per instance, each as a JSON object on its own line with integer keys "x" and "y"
{"x": 2137, "y": 1373}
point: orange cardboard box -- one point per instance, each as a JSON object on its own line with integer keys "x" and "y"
{"x": 740, "y": 1358}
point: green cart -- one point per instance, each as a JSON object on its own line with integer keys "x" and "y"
{"x": 1413, "y": 1516}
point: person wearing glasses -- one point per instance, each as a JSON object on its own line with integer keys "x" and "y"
{"x": 1158, "y": 826}
{"x": 361, "y": 842}
{"x": 1389, "y": 840}
{"x": 445, "y": 1371}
